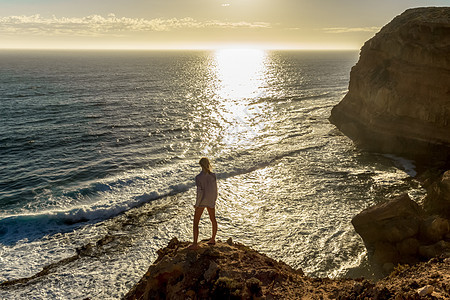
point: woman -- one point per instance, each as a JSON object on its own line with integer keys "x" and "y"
{"x": 206, "y": 197}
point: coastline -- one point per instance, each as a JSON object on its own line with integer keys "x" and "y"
{"x": 380, "y": 113}
{"x": 100, "y": 245}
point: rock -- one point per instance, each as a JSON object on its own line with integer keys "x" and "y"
{"x": 242, "y": 273}
{"x": 385, "y": 252}
{"x": 211, "y": 272}
{"x": 434, "y": 228}
{"x": 426, "y": 290}
{"x": 392, "y": 232}
{"x": 408, "y": 247}
{"x": 430, "y": 251}
{"x": 221, "y": 271}
{"x": 437, "y": 200}
{"x": 398, "y": 99}
{"x": 392, "y": 221}
{"x": 230, "y": 241}
{"x": 398, "y": 231}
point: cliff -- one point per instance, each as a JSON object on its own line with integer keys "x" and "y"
{"x": 399, "y": 91}
{"x": 234, "y": 271}
{"x": 399, "y": 102}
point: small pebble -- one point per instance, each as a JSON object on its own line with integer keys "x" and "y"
{"x": 426, "y": 290}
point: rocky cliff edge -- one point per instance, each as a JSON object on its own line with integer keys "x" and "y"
{"x": 234, "y": 271}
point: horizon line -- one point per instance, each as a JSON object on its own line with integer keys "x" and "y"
{"x": 182, "y": 48}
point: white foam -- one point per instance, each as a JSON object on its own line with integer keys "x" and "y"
{"x": 404, "y": 164}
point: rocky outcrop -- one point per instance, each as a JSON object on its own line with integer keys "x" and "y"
{"x": 225, "y": 271}
{"x": 234, "y": 271}
{"x": 399, "y": 92}
{"x": 400, "y": 231}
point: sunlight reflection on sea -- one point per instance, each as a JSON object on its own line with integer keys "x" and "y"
{"x": 107, "y": 147}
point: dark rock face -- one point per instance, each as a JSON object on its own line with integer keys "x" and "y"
{"x": 399, "y": 92}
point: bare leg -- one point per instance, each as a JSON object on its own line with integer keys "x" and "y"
{"x": 212, "y": 217}
{"x": 197, "y": 214}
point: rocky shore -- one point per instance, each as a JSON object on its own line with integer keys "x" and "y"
{"x": 399, "y": 102}
{"x": 409, "y": 243}
{"x": 234, "y": 271}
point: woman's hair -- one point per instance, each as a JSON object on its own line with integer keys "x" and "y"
{"x": 205, "y": 164}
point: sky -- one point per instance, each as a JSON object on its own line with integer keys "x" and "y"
{"x": 196, "y": 24}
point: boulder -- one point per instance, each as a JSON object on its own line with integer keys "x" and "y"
{"x": 399, "y": 91}
{"x": 389, "y": 229}
{"x": 426, "y": 290}
{"x": 391, "y": 221}
{"x": 434, "y": 229}
{"x": 220, "y": 271}
{"x": 437, "y": 200}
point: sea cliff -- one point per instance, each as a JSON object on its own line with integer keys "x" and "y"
{"x": 399, "y": 102}
{"x": 399, "y": 92}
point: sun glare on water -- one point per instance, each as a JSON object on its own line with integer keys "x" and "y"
{"x": 240, "y": 79}
{"x": 240, "y": 72}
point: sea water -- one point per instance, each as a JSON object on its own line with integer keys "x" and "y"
{"x": 101, "y": 148}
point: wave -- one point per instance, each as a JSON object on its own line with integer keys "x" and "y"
{"x": 267, "y": 162}
{"x": 319, "y": 94}
{"x": 31, "y": 226}
{"x": 29, "y": 92}
{"x": 404, "y": 164}
{"x": 97, "y": 201}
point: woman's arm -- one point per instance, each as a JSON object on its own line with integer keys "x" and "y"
{"x": 200, "y": 191}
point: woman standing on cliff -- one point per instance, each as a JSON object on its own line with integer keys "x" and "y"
{"x": 206, "y": 197}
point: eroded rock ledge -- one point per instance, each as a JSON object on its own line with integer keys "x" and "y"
{"x": 234, "y": 271}
{"x": 399, "y": 92}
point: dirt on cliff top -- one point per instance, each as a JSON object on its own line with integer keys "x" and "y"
{"x": 234, "y": 271}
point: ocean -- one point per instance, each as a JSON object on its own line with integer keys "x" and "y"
{"x": 99, "y": 150}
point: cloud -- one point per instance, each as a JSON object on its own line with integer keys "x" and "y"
{"x": 351, "y": 29}
{"x": 95, "y": 25}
